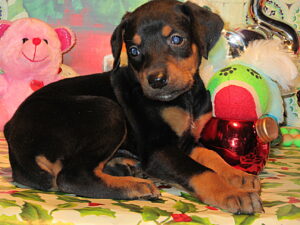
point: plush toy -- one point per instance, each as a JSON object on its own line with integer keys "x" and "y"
{"x": 251, "y": 85}
{"x": 30, "y": 58}
{"x": 247, "y": 104}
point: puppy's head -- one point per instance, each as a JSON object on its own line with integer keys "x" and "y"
{"x": 165, "y": 41}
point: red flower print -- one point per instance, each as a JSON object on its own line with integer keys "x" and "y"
{"x": 272, "y": 178}
{"x": 8, "y": 192}
{"x": 94, "y": 204}
{"x": 181, "y": 218}
{"x": 211, "y": 208}
{"x": 272, "y": 160}
{"x": 293, "y": 200}
{"x": 284, "y": 168}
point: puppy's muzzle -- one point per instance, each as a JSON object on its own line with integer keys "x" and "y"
{"x": 157, "y": 80}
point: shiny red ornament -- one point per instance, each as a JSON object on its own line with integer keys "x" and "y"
{"x": 237, "y": 142}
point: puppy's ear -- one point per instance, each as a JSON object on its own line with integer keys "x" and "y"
{"x": 206, "y": 26}
{"x": 117, "y": 40}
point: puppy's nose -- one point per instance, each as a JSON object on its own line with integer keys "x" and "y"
{"x": 157, "y": 80}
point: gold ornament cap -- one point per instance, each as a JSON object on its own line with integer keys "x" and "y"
{"x": 267, "y": 129}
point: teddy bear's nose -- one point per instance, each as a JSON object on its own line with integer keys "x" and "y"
{"x": 36, "y": 41}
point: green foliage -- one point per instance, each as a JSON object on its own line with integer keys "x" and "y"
{"x": 10, "y": 220}
{"x": 293, "y": 174}
{"x": 153, "y": 213}
{"x": 5, "y": 203}
{"x": 245, "y": 219}
{"x": 28, "y": 195}
{"x": 190, "y": 198}
{"x": 130, "y": 207}
{"x": 289, "y": 212}
{"x": 272, "y": 203}
{"x": 97, "y": 211}
{"x": 67, "y": 198}
{"x": 44, "y": 9}
{"x": 271, "y": 185}
{"x": 296, "y": 181}
{"x": 200, "y": 220}
{"x": 32, "y": 212}
{"x": 184, "y": 207}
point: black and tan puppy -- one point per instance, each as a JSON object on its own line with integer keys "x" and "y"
{"x": 65, "y": 134}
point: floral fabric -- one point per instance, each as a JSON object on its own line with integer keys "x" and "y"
{"x": 280, "y": 194}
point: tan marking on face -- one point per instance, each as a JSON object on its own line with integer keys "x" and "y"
{"x": 181, "y": 71}
{"x": 123, "y": 56}
{"x": 180, "y": 74}
{"x": 198, "y": 125}
{"x": 166, "y": 31}
{"x": 137, "y": 39}
{"x": 177, "y": 118}
{"x": 126, "y": 183}
{"x": 51, "y": 168}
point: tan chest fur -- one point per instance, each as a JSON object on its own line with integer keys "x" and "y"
{"x": 182, "y": 121}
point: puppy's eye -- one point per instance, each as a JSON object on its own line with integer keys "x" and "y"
{"x": 134, "y": 51}
{"x": 45, "y": 40}
{"x": 176, "y": 39}
{"x": 24, "y": 40}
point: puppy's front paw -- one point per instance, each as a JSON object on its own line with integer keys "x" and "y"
{"x": 241, "y": 179}
{"x": 242, "y": 202}
{"x": 212, "y": 189}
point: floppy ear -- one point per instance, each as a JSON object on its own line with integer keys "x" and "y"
{"x": 66, "y": 37}
{"x": 4, "y": 25}
{"x": 116, "y": 40}
{"x": 206, "y": 26}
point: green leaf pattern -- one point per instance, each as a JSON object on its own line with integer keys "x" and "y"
{"x": 33, "y": 212}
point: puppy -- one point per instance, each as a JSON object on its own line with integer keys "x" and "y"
{"x": 65, "y": 134}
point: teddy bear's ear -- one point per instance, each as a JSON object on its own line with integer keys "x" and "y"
{"x": 66, "y": 37}
{"x": 4, "y": 24}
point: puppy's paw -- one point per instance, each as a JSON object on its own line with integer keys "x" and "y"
{"x": 241, "y": 179}
{"x": 143, "y": 189}
{"x": 242, "y": 202}
{"x": 212, "y": 189}
{"x": 124, "y": 167}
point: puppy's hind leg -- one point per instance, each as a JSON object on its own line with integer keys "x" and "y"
{"x": 83, "y": 174}
{"x": 31, "y": 174}
{"x": 87, "y": 178}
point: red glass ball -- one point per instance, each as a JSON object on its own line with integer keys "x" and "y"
{"x": 237, "y": 142}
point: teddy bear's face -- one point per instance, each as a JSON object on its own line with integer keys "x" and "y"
{"x": 29, "y": 45}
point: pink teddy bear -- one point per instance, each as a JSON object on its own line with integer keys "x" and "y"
{"x": 30, "y": 58}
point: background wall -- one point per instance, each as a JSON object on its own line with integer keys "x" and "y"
{"x": 94, "y": 20}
